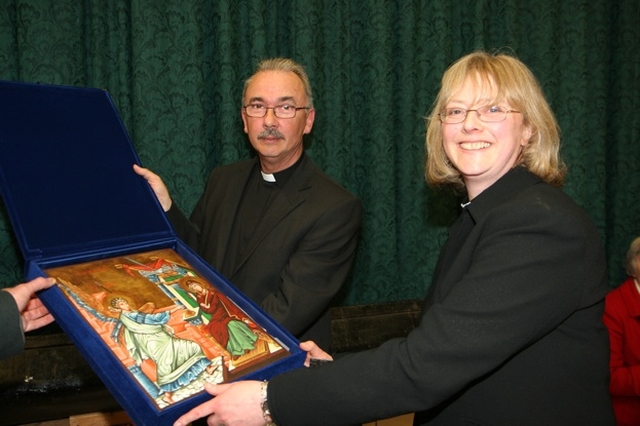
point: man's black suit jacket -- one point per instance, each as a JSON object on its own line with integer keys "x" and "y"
{"x": 300, "y": 254}
{"x": 511, "y": 332}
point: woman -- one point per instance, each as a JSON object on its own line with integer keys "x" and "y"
{"x": 511, "y": 331}
{"x": 622, "y": 310}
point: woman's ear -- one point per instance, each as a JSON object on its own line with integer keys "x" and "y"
{"x": 527, "y": 132}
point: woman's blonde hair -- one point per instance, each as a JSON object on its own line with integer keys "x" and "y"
{"x": 499, "y": 77}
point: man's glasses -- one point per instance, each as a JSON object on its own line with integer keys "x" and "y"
{"x": 489, "y": 114}
{"x": 280, "y": 111}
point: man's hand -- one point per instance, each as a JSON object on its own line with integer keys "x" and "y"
{"x": 157, "y": 185}
{"x": 314, "y": 352}
{"x": 32, "y": 312}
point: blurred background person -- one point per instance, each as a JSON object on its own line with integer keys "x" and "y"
{"x": 622, "y": 318}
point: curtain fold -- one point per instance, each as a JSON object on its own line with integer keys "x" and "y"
{"x": 175, "y": 69}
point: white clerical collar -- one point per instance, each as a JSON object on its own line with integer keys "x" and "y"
{"x": 267, "y": 177}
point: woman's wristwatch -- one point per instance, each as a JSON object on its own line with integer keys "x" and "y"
{"x": 266, "y": 414}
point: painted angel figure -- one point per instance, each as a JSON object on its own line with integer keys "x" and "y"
{"x": 178, "y": 361}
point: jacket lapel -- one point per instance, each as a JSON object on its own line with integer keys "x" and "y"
{"x": 225, "y": 227}
{"x": 457, "y": 252}
{"x": 287, "y": 200}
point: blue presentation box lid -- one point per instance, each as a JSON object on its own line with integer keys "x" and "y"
{"x": 66, "y": 173}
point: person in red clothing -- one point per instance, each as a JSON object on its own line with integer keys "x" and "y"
{"x": 622, "y": 318}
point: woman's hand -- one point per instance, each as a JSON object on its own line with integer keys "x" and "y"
{"x": 235, "y": 404}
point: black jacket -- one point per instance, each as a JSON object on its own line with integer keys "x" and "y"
{"x": 299, "y": 256}
{"x": 511, "y": 332}
{"x": 11, "y": 335}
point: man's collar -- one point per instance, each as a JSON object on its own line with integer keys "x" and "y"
{"x": 282, "y": 177}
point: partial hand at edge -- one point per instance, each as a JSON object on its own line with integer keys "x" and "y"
{"x": 32, "y": 312}
{"x": 313, "y": 351}
{"x": 157, "y": 185}
{"x": 235, "y": 404}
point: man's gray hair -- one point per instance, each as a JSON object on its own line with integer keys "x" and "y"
{"x": 283, "y": 64}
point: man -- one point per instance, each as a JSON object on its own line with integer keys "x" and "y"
{"x": 276, "y": 226}
{"x": 20, "y": 311}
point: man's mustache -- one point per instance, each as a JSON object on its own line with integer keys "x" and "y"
{"x": 270, "y": 133}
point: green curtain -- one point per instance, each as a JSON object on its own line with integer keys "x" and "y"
{"x": 175, "y": 70}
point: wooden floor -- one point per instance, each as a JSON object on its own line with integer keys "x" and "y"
{"x": 121, "y": 419}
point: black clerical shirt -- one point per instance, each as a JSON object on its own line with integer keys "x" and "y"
{"x": 257, "y": 198}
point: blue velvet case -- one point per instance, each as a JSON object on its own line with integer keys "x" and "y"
{"x": 68, "y": 185}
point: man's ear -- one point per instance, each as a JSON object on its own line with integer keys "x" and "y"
{"x": 311, "y": 116}
{"x": 244, "y": 121}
